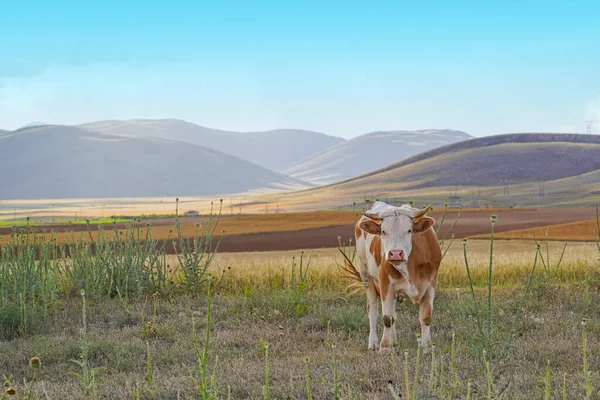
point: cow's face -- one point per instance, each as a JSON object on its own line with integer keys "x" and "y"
{"x": 395, "y": 230}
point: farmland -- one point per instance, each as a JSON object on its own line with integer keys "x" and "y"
{"x": 143, "y": 307}
{"x": 304, "y": 230}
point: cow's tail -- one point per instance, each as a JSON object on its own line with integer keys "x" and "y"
{"x": 351, "y": 274}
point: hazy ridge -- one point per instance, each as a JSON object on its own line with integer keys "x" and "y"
{"x": 64, "y": 161}
{"x": 369, "y": 152}
{"x": 273, "y": 149}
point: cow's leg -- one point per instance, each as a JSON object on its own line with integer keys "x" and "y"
{"x": 373, "y": 314}
{"x": 425, "y": 316}
{"x": 388, "y": 302}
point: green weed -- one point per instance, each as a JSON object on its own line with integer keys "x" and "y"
{"x": 88, "y": 377}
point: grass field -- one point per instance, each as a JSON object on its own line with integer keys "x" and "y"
{"x": 316, "y": 334}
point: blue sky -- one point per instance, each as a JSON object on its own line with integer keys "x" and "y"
{"x": 343, "y": 68}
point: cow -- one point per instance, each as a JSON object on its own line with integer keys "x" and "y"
{"x": 398, "y": 252}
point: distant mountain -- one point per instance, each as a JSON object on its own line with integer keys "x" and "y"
{"x": 498, "y": 160}
{"x": 533, "y": 169}
{"x": 65, "y": 162}
{"x": 32, "y": 124}
{"x": 368, "y": 152}
{"x": 275, "y": 149}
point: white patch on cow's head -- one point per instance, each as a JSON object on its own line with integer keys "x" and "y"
{"x": 395, "y": 227}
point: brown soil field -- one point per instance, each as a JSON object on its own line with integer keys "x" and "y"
{"x": 231, "y": 224}
{"x": 293, "y": 231}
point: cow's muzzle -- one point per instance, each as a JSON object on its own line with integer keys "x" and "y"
{"x": 396, "y": 256}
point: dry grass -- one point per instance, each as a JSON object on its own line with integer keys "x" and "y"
{"x": 582, "y": 230}
{"x": 513, "y": 261}
{"x": 253, "y": 305}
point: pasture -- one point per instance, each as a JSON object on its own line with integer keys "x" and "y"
{"x": 281, "y": 324}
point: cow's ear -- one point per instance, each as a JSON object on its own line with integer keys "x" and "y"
{"x": 422, "y": 224}
{"x": 370, "y": 226}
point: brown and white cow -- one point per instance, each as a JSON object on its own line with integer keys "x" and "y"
{"x": 398, "y": 252}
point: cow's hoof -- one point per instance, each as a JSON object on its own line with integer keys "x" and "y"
{"x": 374, "y": 346}
{"x": 385, "y": 350}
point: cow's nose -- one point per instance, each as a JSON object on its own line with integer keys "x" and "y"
{"x": 396, "y": 255}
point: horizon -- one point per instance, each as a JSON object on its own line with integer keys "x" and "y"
{"x": 43, "y": 124}
{"x": 342, "y": 69}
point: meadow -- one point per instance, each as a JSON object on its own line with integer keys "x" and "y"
{"x": 128, "y": 320}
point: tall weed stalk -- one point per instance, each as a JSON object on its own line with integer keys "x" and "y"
{"x": 484, "y": 339}
{"x": 88, "y": 377}
{"x": 200, "y": 376}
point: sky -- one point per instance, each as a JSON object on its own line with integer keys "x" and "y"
{"x": 339, "y": 67}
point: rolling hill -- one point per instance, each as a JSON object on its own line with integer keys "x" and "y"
{"x": 524, "y": 169}
{"x": 369, "y": 152}
{"x": 275, "y": 149}
{"x": 69, "y": 162}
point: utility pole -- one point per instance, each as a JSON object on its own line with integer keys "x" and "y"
{"x": 589, "y": 123}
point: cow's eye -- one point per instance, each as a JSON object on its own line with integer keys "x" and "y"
{"x": 410, "y": 231}
{"x": 383, "y": 233}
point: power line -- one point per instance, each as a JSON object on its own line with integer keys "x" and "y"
{"x": 589, "y": 126}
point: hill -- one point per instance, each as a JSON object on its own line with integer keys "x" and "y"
{"x": 275, "y": 149}
{"x": 498, "y": 160}
{"x": 368, "y": 152}
{"x": 503, "y": 170}
{"x": 70, "y": 162}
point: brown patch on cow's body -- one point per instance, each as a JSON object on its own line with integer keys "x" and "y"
{"x": 425, "y": 259}
{"x": 358, "y": 231}
{"x": 375, "y": 249}
{"x": 384, "y": 283}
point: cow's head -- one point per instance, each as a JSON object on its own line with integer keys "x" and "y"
{"x": 396, "y": 227}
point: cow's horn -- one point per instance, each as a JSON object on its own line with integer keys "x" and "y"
{"x": 373, "y": 216}
{"x": 422, "y": 212}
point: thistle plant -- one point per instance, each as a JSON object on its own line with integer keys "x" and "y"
{"x": 200, "y": 375}
{"x": 307, "y": 378}
{"x": 482, "y": 338}
{"x": 415, "y": 388}
{"x": 547, "y": 382}
{"x": 34, "y": 363}
{"x": 551, "y": 270}
{"x": 8, "y": 391}
{"x": 265, "y": 393}
{"x": 195, "y": 254}
{"x": 88, "y": 377}
{"x": 336, "y": 383}
{"x": 443, "y": 239}
{"x": 586, "y": 372}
